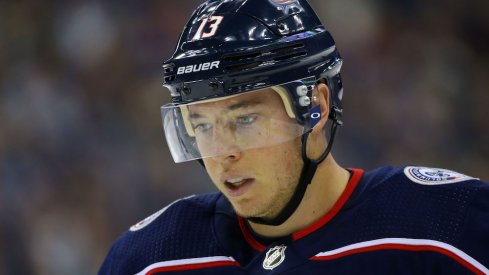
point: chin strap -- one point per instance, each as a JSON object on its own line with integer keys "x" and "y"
{"x": 308, "y": 171}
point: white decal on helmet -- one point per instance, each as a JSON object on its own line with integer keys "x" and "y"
{"x": 216, "y": 20}
{"x": 198, "y": 67}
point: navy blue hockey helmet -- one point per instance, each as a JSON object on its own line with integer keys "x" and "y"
{"x": 231, "y": 47}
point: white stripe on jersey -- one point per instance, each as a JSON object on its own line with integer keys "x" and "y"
{"x": 407, "y": 242}
{"x": 182, "y": 262}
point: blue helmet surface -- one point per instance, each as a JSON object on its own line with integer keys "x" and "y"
{"x": 234, "y": 46}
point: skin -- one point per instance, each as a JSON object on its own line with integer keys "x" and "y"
{"x": 274, "y": 170}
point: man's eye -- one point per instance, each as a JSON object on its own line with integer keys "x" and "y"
{"x": 203, "y": 127}
{"x": 248, "y": 119}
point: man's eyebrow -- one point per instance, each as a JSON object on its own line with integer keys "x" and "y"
{"x": 244, "y": 104}
{"x": 239, "y": 105}
{"x": 194, "y": 115}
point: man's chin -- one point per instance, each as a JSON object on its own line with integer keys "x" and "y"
{"x": 249, "y": 214}
{"x": 246, "y": 208}
{"x": 244, "y": 212}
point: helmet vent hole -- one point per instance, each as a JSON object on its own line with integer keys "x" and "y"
{"x": 240, "y": 57}
{"x": 290, "y": 56}
{"x": 287, "y": 48}
{"x": 169, "y": 78}
{"x": 240, "y": 67}
{"x": 168, "y": 72}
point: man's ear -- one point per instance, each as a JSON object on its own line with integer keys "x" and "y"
{"x": 320, "y": 96}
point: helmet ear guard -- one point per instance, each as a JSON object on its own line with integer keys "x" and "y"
{"x": 335, "y": 85}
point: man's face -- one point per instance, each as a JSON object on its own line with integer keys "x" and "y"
{"x": 255, "y": 150}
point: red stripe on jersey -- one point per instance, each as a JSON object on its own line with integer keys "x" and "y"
{"x": 352, "y": 184}
{"x": 191, "y": 267}
{"x": 248, "y": 237}
{"x": 405, "y": 247}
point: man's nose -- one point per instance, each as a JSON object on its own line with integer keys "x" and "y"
{"x": 226, "y": 147}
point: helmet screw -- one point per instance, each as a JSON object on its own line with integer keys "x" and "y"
{"x": 282, "y": 27}
{"x": 304, "y": 101}
{"x": 213, "y": 85}
{"x": 301, "y": 90}
{"x": 186, "y": 90}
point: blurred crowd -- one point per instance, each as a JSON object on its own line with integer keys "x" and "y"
{"x": 82, "y": 151}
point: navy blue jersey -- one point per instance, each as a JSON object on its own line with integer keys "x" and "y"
{"x": 409, "y": 220}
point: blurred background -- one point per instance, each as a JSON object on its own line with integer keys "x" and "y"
{"x": 82, "y": 151}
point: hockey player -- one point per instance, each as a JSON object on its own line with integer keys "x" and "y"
{"x": 256, "y": 98}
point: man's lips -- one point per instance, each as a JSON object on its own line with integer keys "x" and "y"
{"x": 237, "y": 186}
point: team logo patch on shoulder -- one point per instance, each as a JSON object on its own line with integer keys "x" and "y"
{"x": 148, "y": 220}
{"x": 142, "y": 224}
{"x": 274, "y": 257}
{"x": 434, "y": 176}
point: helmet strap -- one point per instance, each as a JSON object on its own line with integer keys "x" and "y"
{"x": 307, "y": 173}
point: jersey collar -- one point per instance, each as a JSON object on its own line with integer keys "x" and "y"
{"x": 352, "y": 184}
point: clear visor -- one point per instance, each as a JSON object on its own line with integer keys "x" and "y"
{"x": 235, "y": 124}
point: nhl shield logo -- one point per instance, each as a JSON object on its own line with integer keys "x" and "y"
{"x": 274, "y": 257}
